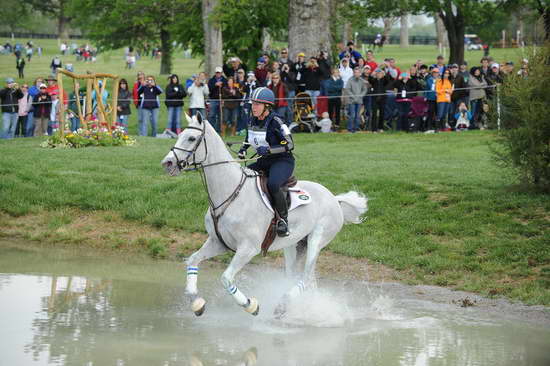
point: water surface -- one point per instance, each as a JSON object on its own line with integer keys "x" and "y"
{"x": 69, "y": 308}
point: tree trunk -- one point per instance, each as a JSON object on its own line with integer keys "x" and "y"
{"x": 309, "y": 27}
{"x": 166, "y": 49}
{"x": 388, "y": 24}
{"x": 62, "y": 29}
{"x": 545, "y": 12}
{"x": 404, "y": 31}
{"x": 213, "y": 50}
{"x": 266, "y": 40}
{"x": 442, "y": 37}
{"x": 455, "y": 26}
{"x": 346, "y": 32}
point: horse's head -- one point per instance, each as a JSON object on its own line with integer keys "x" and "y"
{"x": 190, "y": 147}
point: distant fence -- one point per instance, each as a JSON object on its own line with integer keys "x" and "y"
{"x": 396, "y": 40}
{"x": 32, "y": 35}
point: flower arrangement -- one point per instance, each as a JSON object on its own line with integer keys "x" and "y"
{"x": 96, "y": 135}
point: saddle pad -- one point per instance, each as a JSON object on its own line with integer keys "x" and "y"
{"x": 298, "y": 197}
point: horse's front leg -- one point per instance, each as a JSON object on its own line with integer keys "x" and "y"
{"x": 244, "y": 254}
{"x": 211, "y": 248}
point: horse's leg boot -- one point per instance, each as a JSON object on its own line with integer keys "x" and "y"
{"x": 279, "y": 201}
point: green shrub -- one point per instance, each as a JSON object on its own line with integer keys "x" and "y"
{"x": 523, "y": 142}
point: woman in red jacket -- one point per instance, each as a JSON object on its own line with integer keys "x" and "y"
{"x": 280, "y": 90}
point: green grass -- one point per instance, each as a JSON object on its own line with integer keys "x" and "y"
{"x": 440, "y": 211}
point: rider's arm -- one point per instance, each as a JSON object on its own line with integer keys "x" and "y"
{"x": 286, "y": 143}
{"x": 245, "y": 145}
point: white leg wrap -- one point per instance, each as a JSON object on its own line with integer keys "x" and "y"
{"x": 192, "y": 274}
{"x": 237, "y": 295}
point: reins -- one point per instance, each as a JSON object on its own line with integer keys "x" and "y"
{"x": 200, "y": 167}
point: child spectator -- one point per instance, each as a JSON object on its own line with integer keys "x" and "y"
{"x": 463, "y": 117}
{"x": 325, "y": 124}
{"x": 123, "y": 104}
{"x": 54, "y": 114}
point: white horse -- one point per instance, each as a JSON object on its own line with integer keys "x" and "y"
{"x": 242, "y": 218}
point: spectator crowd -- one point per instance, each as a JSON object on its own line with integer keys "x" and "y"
{"x": 368, "y": 94}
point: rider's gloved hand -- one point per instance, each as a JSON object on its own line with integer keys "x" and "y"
{"x": 263, "y": 150}
{"x": 241, "y": 154}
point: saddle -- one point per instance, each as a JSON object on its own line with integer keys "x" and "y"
{"x": 271, "y": 232}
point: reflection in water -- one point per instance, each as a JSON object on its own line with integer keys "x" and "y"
{"x": 107, "y": 318}
{"x": 249, "y": 358}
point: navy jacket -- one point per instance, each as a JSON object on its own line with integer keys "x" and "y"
{"x": 277, "y": 136}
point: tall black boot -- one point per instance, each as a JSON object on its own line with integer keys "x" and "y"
{"x": 279, "y": 203}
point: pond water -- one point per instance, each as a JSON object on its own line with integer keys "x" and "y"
{"x": 69, "y": 308}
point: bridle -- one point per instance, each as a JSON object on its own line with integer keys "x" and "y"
{"x": 199, "y": 165}
{"x": 181, "y": 164}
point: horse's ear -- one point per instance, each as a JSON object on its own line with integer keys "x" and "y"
{"x": 198, "y": 116}
{"x": 189, "y": 120}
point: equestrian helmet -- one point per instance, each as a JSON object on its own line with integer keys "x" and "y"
{"x": 263, "y": 95}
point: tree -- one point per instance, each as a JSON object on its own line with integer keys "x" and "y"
{"x": 541, "y": 6}
{"x": 523, "y": 143}
{"x": 118, "y": 23}
{"x": 309, "y": 28}
{"x": 453, "y": 13}
{"x": 59, "y": 9}
{"x": 404, "y": 31}
{"x": 17, "y": 17}
{"x": 213, "y": 44}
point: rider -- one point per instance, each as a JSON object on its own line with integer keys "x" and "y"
{"x": 271, "y": 138}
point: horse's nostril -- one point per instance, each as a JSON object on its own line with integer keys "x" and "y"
{"x": 168, "y": 164}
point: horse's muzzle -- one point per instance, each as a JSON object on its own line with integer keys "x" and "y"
{"x": 171, "y": 168}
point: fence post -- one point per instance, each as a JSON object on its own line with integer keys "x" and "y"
{"x": 498, "y": 107}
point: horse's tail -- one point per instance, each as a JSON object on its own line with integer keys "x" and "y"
{"x": 353, "y": 205}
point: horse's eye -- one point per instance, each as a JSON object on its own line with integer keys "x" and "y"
{"x": 192, "y": 138}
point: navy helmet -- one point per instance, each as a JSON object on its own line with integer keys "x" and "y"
{"x": 263, "y": 95}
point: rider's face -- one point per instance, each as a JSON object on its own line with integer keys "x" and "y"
{"x": 257, "y": 109}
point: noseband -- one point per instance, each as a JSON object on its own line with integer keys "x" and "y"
{"x": 184, "y": 162}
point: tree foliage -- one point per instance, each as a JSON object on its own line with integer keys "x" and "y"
{"x": 524, "y": 140}
{"x": 60, "y": 9}
{"x": 119, "y": 23}
{"x": 17, "y": 17}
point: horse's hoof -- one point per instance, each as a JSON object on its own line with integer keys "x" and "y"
{"x": 252, "y": 307}
{"x": 198, "y": 306}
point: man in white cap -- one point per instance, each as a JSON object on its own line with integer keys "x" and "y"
{"x": 215, "y": 85}
{"x": 9, "y": 101}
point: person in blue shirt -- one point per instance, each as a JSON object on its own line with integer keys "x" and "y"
{"x": 272, "y": 140}
{"x": 431, "y": 97}
{"x": 352, "y": 54}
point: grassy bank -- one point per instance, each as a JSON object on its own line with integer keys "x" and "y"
{"x": 440, "y": 211}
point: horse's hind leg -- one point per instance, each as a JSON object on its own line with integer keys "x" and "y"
{"x": 211, "y": 248}
{"x": 316, "y": 241}
{"x": 243, "y": 255}
{"x": 293, "y": 256}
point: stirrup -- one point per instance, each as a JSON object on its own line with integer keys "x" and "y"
{"x": 282, "y": 228}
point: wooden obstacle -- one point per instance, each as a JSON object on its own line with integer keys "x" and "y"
{"x": 103, "y": 113}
